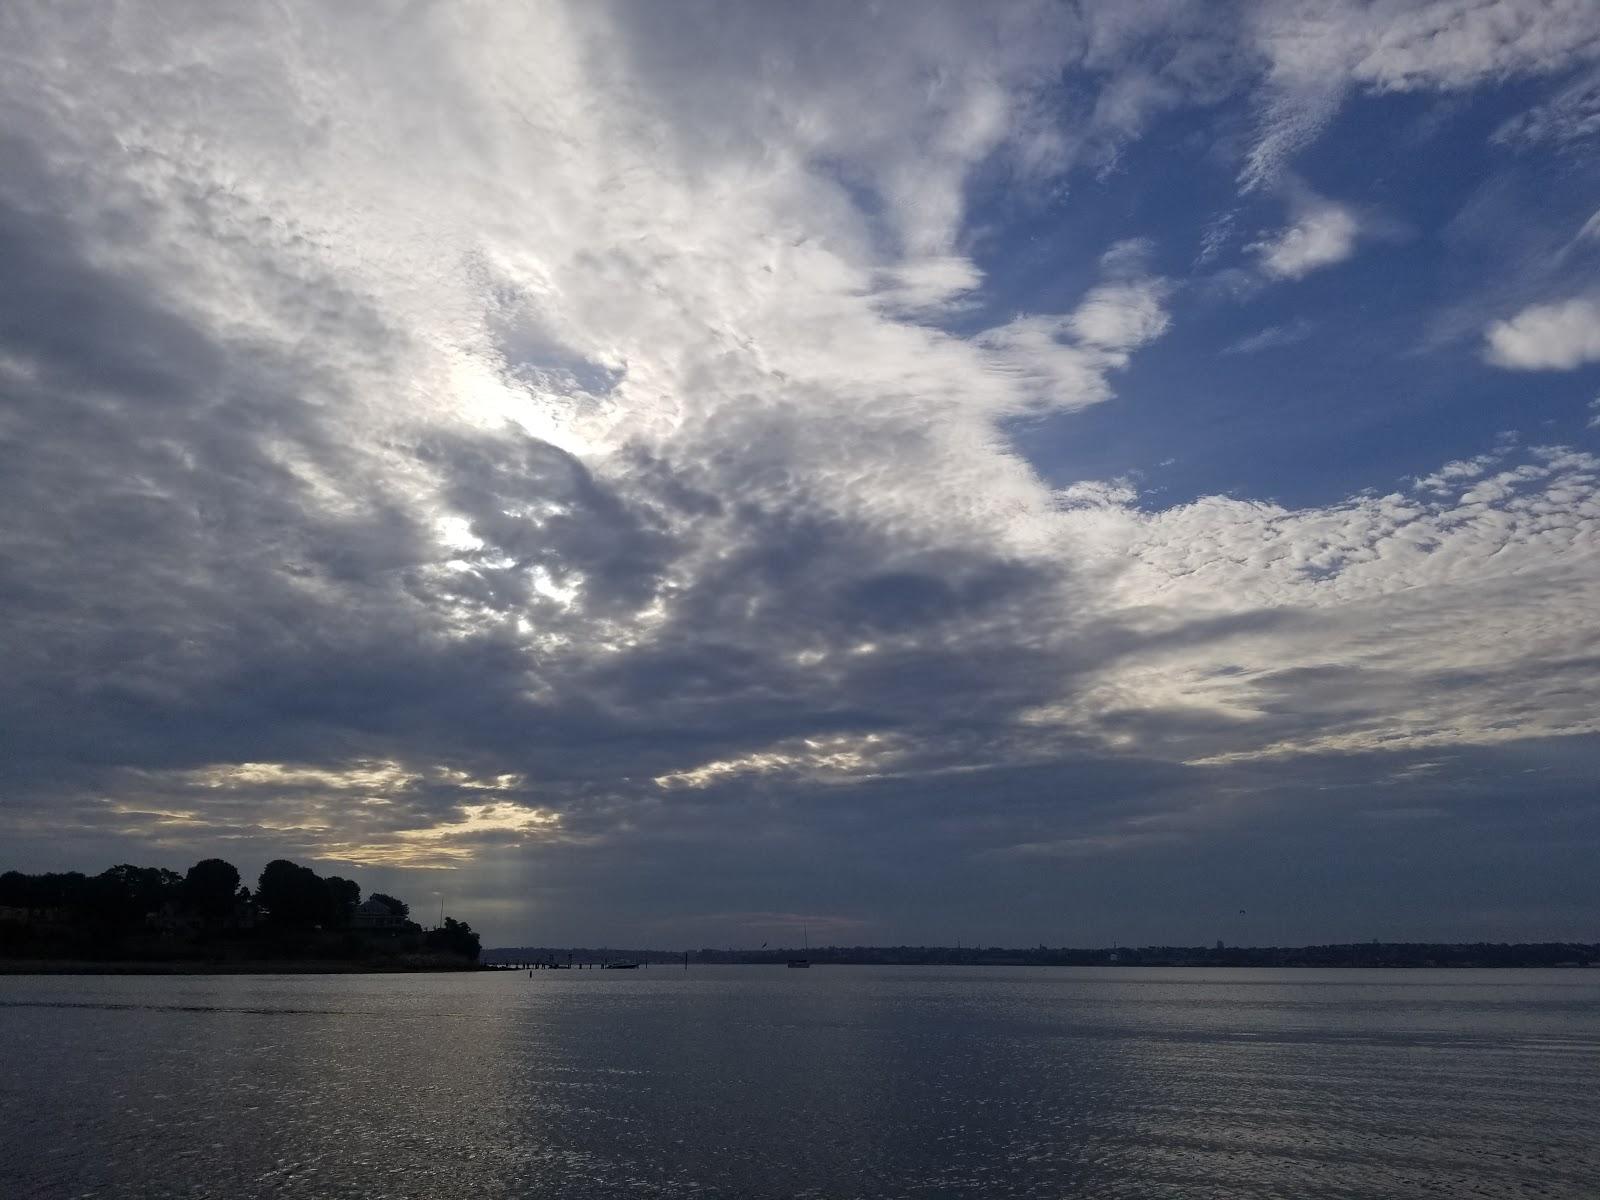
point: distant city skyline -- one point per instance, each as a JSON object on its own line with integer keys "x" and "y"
{"x": 681, "y": 474}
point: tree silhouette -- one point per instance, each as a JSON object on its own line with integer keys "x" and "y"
{"x": 211, "y": 887}
{"x": 126, "y": 894}
{"x": 294, "y": 896}
{"x": 343, "y": 896}
{"x": 455, "y": 937}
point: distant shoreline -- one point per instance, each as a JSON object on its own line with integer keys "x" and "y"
{"x": 1397, "y": 955}
{"x": 24, "y": 967}
{"x": 253, "y": 967}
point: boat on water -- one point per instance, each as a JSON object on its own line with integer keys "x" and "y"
{"x": 806, "y": 961}
{"x": 619, "y": 966}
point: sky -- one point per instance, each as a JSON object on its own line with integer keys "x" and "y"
{"x": 694, "y": 474}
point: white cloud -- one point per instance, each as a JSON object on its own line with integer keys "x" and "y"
{"x": 1060, "y": 362}
{"x": 1322, "y": 234}
{"x": 1317, "y": 52}
{"x": 1547, "y": 337}
{"x": 1572, "y": 115}
{"x": 818, "y": 760}
{"x": 1396, "y": 45}
{"x": 1121, "y": 316}
{"x": 1447, "y": 477}
{"x": 1272, "y": 337}
{"x": 726, "y": 258}
{"x": 1290, "y": 120}
{"x": 1380, "y": 622}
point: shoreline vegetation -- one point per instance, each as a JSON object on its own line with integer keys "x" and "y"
{"x": 151, "y": 920}
{"x": 265, "y": 966}
{"x": 1352, "y": 954}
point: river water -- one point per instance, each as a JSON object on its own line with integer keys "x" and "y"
{"x": 833, "y": 1082}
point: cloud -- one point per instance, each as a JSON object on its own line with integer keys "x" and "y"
{"x": 575, "y": 450}
{"x": 1121, "y": 316}
{"x": 1398, "y": 621}
{"x": 1061, "y": 361}
{"x": 1315, "y": 54}
{"x": 1547, "y": 337}
{"x": 1395, "y": 46}
{"x": 1571, "y": 116}
{"x": 1291, "y": 118}
{"x": 1272, "y": 337}
{"x": 429, "y": 459}
{"x": 1322, "y": 234}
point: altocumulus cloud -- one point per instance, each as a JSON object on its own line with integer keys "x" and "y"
{"x": 565, "y": 448}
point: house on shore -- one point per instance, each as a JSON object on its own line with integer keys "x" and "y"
{"x": 375, "y": 914}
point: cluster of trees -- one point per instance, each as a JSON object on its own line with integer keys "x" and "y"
{"x": 297, "y": 897}
{"x": 126, "y": 894}
{"x": 454, "y": 937}
{"x": 288, "y": 898}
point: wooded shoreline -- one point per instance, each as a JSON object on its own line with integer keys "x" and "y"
{"x": 242, "y": 967}
{"x": 153, "y": 921}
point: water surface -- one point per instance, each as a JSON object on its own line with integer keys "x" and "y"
{"x": 833, "y": 1082}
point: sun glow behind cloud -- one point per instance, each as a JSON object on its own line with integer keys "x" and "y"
{"x": 372, "y": 812}
{"x": 452, "y": 843}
